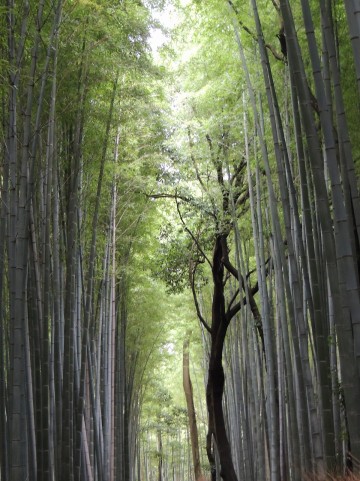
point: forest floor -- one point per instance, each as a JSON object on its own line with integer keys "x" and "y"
{"x": 331, "y": 477}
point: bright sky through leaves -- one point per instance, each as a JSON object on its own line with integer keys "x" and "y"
{"x": 167, "y": 19}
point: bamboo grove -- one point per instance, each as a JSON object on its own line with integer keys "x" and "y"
{"x": 228, "y": 178}
{"x": 73, "y": 88}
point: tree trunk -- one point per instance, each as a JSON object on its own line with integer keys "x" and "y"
{"x": 188, "y": 390}
{"x": 216, "y": 377}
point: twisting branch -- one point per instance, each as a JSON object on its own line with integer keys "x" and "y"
{"x": 193, "y": 267}
{"x": 170, "y": 196}
{"x": 249, "y": 293}
{"x": 242, "y": 197}
{"x": 192, "y": 157}
{"x": 238, "y": 170}
{"x": 254, "y": 309}
{"x": 215, "y": 160}
{"x": 188, "y": 200}
{"x": 198, "y": 176}
{"x": 232, "y": 300}
{"x": 191, "y": 234}
{"x": 220, "y": 176}
{"x": 226, "y": 262}
{"x": 236, "y": 308}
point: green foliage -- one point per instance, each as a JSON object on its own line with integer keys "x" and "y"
{"x": 173, "y": 258}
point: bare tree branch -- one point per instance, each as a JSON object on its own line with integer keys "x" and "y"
{"x": 232, "y": 300}
{"x": 188, "y": 200}
{"x": 198, "y": 176}
{"x": 196, "y": 302}
{"x": 192, "y": 157}
{"x": 253, "y": 35}
{"x": 192, "y": 235}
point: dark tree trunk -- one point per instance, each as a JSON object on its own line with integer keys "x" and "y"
{"x": 216, "y": 377}
{"x": 160, "y": 454}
